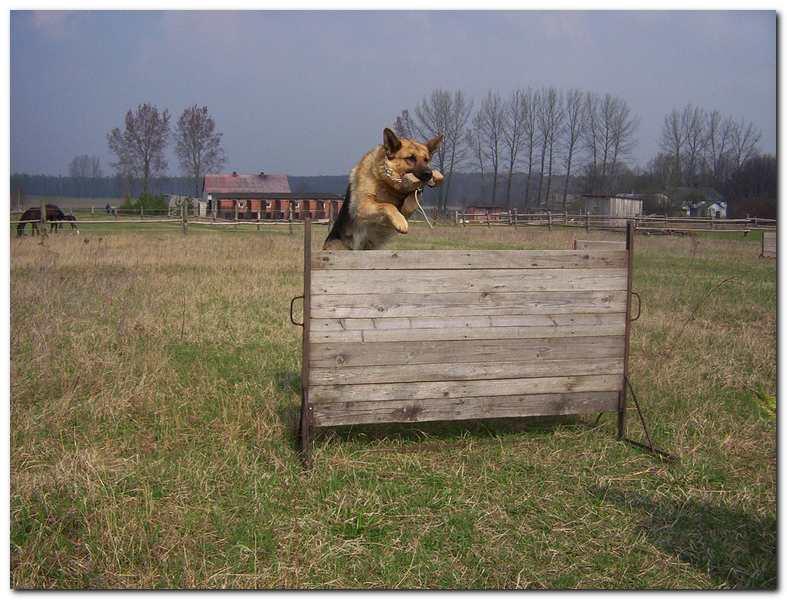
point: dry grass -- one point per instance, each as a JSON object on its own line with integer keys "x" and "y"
{"x": 154, "y": 398}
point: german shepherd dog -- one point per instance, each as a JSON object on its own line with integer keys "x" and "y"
{"x": 381, "y": 193}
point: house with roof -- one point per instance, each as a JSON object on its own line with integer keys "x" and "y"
{"x": 264, "y": 195}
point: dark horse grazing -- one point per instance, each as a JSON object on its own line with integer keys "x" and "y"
{"x": 53, "y": 213}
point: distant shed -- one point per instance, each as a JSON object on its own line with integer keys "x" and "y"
{"x": 622, "y": 206}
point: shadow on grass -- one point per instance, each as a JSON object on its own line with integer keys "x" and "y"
{"x": 434, "y": 436}
{"x": 289, "y": 384}
{"x": 735, "y": 548}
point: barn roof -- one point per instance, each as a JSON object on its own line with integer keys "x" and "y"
{"x": 237, "y": 182}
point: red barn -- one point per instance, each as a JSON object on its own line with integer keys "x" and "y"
{"x": 266, "y": 195}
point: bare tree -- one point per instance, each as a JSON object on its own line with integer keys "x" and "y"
{"x": 514, "y": 116}
{"x": 139, "y": 148}
{"x": 532, "y": 102}
{"x": 572, "y": 132}
{"x": 717, "y": 146}
{"x": 622, "y": 126}
{"x": 552, "y": 107}
{"x": 745, "y": 137}
{"x": 592, "y": 140}
{"x": 673, "y": 142}
{"x": 548, "y": 118}
{"x": 608, "y": 138}
{"x": 491, "y": 132}
{"x": 474, "y": 141}
{"x": 443, "y": 113}
{"x": 198, "y": 144}
{"x": 693, "y": 123}
{"x": 403, "y": 125}
{"x": 85, "y": 167}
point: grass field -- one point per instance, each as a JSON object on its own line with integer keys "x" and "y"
{"x": 155, "y": 393}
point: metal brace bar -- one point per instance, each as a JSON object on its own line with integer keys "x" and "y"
{"x": 650, "y": 447}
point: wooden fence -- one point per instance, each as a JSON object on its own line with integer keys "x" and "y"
{"x": 410, "y": 336}
{"x": 648, "y": 224}
{"x": 768, "y": 244}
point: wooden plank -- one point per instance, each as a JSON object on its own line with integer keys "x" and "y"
{"x": 449, "y": 409}
{"x": 600, "y": 245}
{"x": 466, "y": 304}
{"x": 467, "y": 280}
{"x": 470, "y": 259}
{"x": 464, "y": 389}
{"x": 769, "y": 244}
{"x": 464, "y": 371}
{"x": 331, "y": 355}
{"x": 618, "y": 327}
{"x": 467, "y": 322}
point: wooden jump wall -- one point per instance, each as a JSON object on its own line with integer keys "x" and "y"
{"x": 408, "y": 336}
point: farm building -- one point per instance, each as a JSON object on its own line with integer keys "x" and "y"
{"x": 268, "y": 195}
{"x": 713, "y": 209}
{"x": 623, "y": 206}
{"x": 484, "y": 213}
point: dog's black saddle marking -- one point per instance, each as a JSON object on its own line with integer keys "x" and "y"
{"x": 342, "y": 219}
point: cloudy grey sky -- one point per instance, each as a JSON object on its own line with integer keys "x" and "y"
{"x": 307, "y": 93}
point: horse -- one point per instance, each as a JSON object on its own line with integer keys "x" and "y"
{"x": 53, "y": 213}
{"x": 72, "y": 221}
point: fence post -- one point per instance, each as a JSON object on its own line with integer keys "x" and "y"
{"x": 549, "y": 220}
{"x": 516, "y": 218}
{"x": 587, "y": 221}
{"x": 92, "y": 210}
{"x": 184, "y": 217}
{"x": 258, "y": 220}
{"x": 43, "y": 216}
{"x": 464, "y": 219}
{"x": 488, "y": 222}
{"x": 235, "y": 204}
{"x": 289, "y": 215}
{"x": 565, "y": 216}
{"x": 141, "y": 211}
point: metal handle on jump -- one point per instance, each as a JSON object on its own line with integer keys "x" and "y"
{"x": 292, "y": 319}
{"x": 639, "y": 305}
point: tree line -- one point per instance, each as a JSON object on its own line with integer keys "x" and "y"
{"x": 531, "y": 148}
{"x": 542, "y": 131}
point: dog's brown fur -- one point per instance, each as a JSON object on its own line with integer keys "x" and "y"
{"x": 380, "y": 196}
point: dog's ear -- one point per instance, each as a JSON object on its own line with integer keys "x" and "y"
{"x": 434, "y": 143}
{"x": 391, "y": 142}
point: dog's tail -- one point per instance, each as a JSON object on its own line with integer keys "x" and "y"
{"x": 341, "y": 219}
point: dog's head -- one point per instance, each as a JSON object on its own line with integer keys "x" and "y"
{"x": 408, "y": 156}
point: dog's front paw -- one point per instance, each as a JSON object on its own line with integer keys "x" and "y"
{"x": 399, "y": 223}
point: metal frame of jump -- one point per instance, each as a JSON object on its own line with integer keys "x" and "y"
{"x": 558, "y": 405}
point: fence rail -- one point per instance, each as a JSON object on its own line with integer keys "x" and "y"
{"x": 646, "y": 223}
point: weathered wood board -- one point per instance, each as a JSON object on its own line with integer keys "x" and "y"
{"x": 768, "y": 244}
{"x": 599, "y": 245}
{"x": 411, "y": 336}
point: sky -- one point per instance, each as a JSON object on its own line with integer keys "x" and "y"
{"x": 308, "y": 93}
